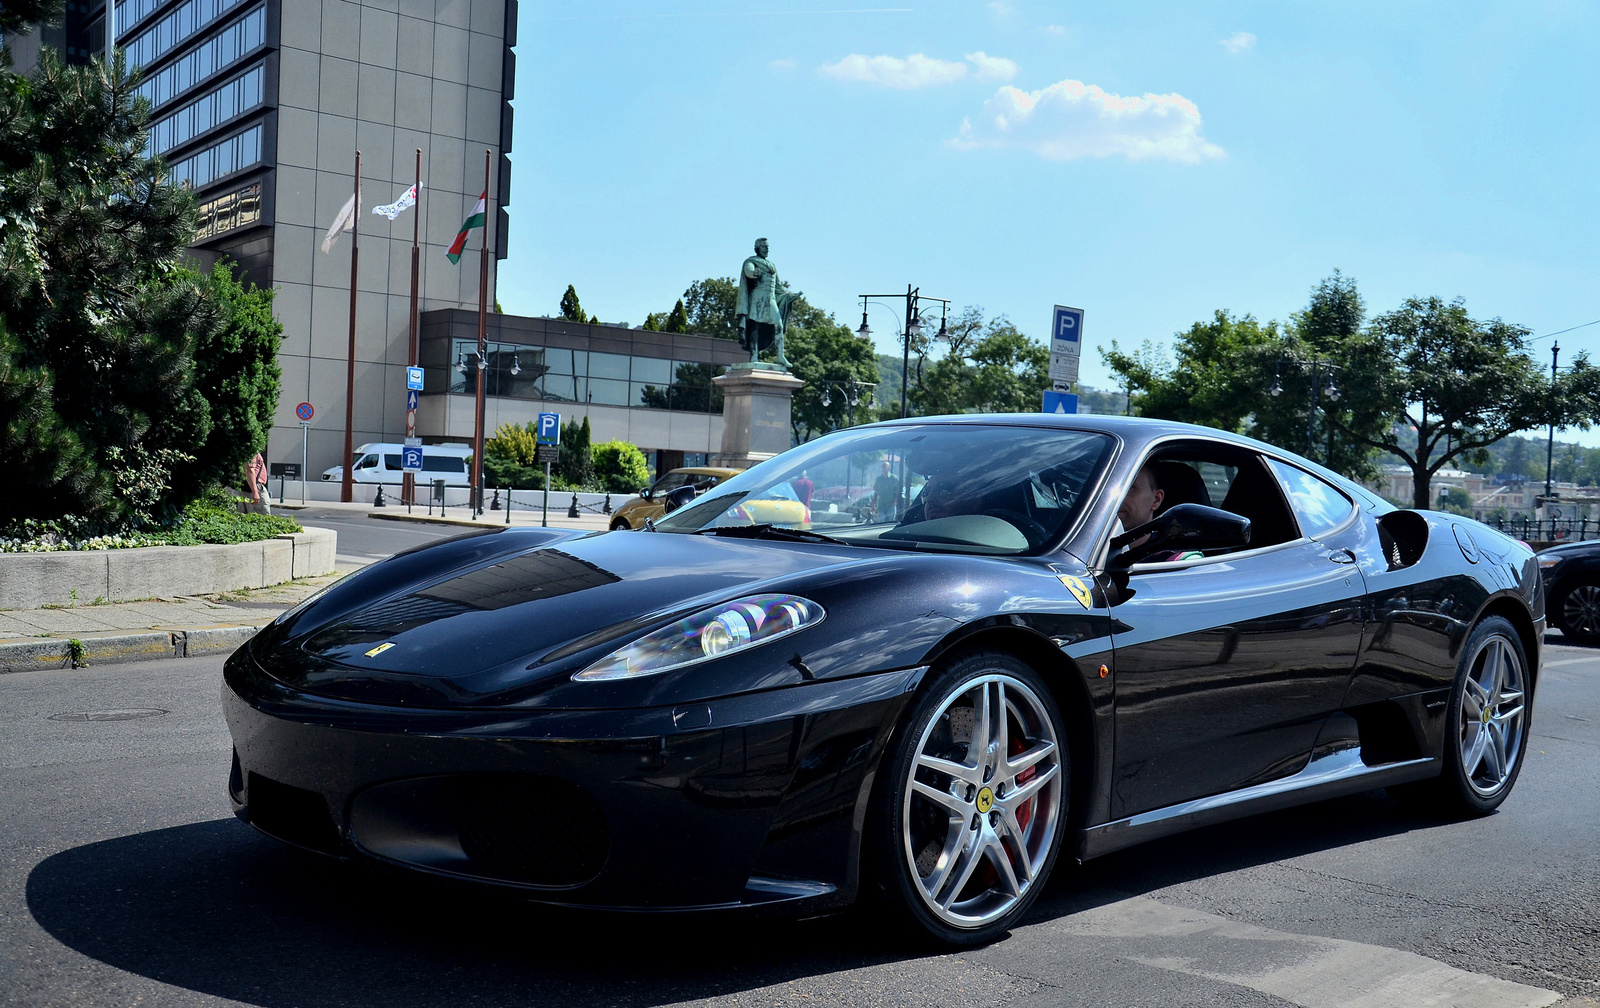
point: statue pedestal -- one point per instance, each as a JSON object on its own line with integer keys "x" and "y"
{"x": 755, "y": 415}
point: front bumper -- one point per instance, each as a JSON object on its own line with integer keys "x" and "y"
{"x": 751, "y": 800}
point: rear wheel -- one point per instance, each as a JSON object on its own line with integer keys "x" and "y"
{"x": 969, "y": 819}
{"x": 1487, "y": 731}
{"x": 620, "y": 525}
{"x": 1578, "y": 611}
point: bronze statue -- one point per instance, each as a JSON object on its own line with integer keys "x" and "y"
{"x": 762, "y": 306}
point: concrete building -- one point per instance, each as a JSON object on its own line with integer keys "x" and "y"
{"x": 260, "y": 106}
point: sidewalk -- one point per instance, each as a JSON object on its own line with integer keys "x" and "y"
{"x": 175, "y": 627}
{"x": 587, "y": 521}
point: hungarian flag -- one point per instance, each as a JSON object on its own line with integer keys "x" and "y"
{"x": 474, "y": 220}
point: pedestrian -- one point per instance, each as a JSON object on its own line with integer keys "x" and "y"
{"x": 803, "y": 487}
{"x": 886, "y": 493}
{"x": 255, "y": 480}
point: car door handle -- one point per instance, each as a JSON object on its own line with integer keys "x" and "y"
{"x": 1342, "y": 556}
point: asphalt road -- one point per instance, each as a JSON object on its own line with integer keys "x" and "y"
{"x": 363, "y": 540}
{"x": 124, "y": 880}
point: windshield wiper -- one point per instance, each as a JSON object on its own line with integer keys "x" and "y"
{"x": 770, "y": 531}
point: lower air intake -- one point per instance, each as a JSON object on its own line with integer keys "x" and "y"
{"x": 532, "y": 830}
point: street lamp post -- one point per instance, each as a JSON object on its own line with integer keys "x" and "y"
{"x": 913, "y": 328}
{"x": 1329, "y": 389}
{"x": 1550, "y": 447}
{"x": 851, "y": 391}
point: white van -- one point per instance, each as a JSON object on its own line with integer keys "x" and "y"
{"x": 379, "y": 462}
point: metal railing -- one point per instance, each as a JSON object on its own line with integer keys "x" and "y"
{"x": 1548, "y": 529}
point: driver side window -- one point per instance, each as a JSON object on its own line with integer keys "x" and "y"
{"x": 1227, "y": 478}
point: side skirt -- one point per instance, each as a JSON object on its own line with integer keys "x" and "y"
{"x": 1326, "y": 776}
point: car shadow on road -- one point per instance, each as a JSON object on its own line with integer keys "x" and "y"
{"x": 215, "y": 908}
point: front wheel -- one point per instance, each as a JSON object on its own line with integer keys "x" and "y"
{"x": 968, "y": 821}
{"x": 1577, "y": 612}
{"x": 620, "y": 525}
{"x": 1486, "y": 734}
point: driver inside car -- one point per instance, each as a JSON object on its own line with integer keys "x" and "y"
{"x": 1142, "y": 504}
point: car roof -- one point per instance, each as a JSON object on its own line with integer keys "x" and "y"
{"x": 706, "y": 471}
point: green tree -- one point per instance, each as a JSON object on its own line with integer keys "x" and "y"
{"x": 1455, "y": 500}
{"x": 1009, "y": 371}
{"x": 571, "y": 310}
{"x": 828, "y": 357}
{"x": 652, "y": 322}
{"x": 709, "y": 305}
{"x": 576, "y": 462}
{"x": 98, "y": 403}
{"x": 1462, "y": 384}
{"x": 510, "y": 459}
{"x": 1216, "y": 379}
{"x": 19, "y": 16}
{"x": 620, "y": 466}
{"x": 677, "y": 319}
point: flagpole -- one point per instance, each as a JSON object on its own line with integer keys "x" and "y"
{"x": 483, "y": 347}
{"x": 347, "y": 486}
{"x": 409, "y": 489}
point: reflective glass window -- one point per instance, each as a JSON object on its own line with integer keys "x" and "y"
{"x": 608, "y": 365}
{"x": 559, "y": 362}
{"x": 210, "y": 57}
{"x": 652, "y": 369}
{"x": 650, "y": 396}
{"x": 229, "y": 101}
{"x": 162, "y": 37}
{"x": 608, "y": 391}
{"x": 241, "y": 150}
{"x": 1318, "y": 506}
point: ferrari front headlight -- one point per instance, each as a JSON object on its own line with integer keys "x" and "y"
{"x": 710, "y": 633}
{"x": 1547, "y": 562}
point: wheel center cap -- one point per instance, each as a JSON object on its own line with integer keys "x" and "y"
{"x": 985, "y": 800}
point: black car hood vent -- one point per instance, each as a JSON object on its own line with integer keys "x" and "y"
{"x": 520, "y": 608}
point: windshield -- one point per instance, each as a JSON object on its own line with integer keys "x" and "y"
{"x": 944, "y": 487}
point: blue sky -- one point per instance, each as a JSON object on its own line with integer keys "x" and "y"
{"x": 1148, "y": 163}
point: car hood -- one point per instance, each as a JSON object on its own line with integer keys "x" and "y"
{"x": 1571, "y": 549}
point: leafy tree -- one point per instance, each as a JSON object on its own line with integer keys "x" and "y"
{"x": 571, "y": 310}
{"x": 1455, "y": 500}
{"x": 827, "y": 356}
{"x": 1216, "y": 380}
{"x": 709, "y": 304}
{"x": 575, "y": 462}
{"x": 98, "y": 402}
{"x": 510, "y": 459}
{"x": 19, "y": 16}
{"x": 677, "y": 319}
{"x": 1462, "y": 384}
{"x": 652, "y": 322}
{"x": 620, "y": 466}
{"x": 1010, "y": 371}
{"x": 236, "y": 372}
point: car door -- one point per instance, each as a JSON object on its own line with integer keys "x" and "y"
{"x": 1227, "y": 666}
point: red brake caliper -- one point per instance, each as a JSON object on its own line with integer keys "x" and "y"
{"x": 1025, "y": 810}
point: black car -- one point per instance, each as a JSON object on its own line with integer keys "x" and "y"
{"x": 1572, "y": 584}
{"x": 958, "y": 666}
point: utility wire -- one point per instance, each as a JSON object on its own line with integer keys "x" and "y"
{"x": 1558, "y": 332}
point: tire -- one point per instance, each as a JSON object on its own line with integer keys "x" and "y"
{"x": 1577, "y": 611}
{"x": 962, "y": 842}
{"x": 1484, "y": 742}
{"x": 620, "y": 525}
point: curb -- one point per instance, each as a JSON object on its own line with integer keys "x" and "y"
{"x": 469, "y": 523}
{"x": 46, "y": 655}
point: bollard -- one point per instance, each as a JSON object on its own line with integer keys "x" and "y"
{"x": 378, "y": 501}
{"x": 494, "y": 505}
{"x": 508, "y": 505}
{"x": 608, "y": 504}
{"x": 572, "y": 511}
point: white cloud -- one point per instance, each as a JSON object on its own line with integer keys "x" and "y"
{"x": 991, "y": 68}
{"x": 1238, "y": 42}
{"x": 1071, "y": 119}
{"x": 915, "y": 71}
{"x": 783, "y": 64}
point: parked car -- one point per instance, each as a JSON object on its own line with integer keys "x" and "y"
{"x": 652, "y": 503}
{"x": 379, "y": 462}
{"x": 929, "y": 704}
{"x": 1571, "y": 574}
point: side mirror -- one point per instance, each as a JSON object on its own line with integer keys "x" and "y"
{"x": 647, "y": 493}
{"x": 1182, "y": 527}
{"x": 678, "y": 497}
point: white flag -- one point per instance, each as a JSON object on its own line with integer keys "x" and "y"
{"x": 407, "y": 200}
{"x": 346, "y": 221}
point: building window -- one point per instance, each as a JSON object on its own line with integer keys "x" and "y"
{"x": 175, "y": 29}
{"x": 229, "y": 212}
{"x": 212, "y": 56}
{"x": 576, "y": 376}
{"x": 239, "y": 95}
{"x": 240, "y": 151}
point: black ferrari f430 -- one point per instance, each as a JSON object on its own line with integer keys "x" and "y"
{"x": 917, "y": 661}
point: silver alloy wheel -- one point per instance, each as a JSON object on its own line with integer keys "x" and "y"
{"x": 983, "y": 804}
{"x": 1580, "y": 612}
{"x": 1492, "y": 706}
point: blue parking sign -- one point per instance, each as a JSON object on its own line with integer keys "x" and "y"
{"x": 411, "y": 459}
{"x": 1059, "y": 402}
{"x": 549, "y": 428}
{"x": 1067, "y": 326}
{"x": 414, "y": 378}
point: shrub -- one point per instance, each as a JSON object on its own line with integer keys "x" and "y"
{"x": 620, "y": 467}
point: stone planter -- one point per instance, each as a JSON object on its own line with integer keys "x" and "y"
{"x": 32, "y": 580}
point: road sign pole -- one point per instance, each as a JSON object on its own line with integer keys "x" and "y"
{"x": 305, "y": 456}
{"x": 545, "y": 521}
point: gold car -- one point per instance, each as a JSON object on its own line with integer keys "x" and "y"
{"x": 652, "y": 503}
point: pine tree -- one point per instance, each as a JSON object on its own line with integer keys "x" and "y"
{"x": 652, "y": 322}
{"x": 570, "y": 308}
{"x": 677, "y": 320}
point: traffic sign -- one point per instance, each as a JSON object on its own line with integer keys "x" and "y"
{"x": 411, "y": 399}
{"x": 411, "y": 458}
{"x": 305, "y": 411}
{"x": 1066, "y": 345}
{"x": 1059, "y": 402}
{"x": 413, "y": 442}
{"x": 414, "y": 378}
{"x": 549, "y": 453}
{"x": 549, "y": 428}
